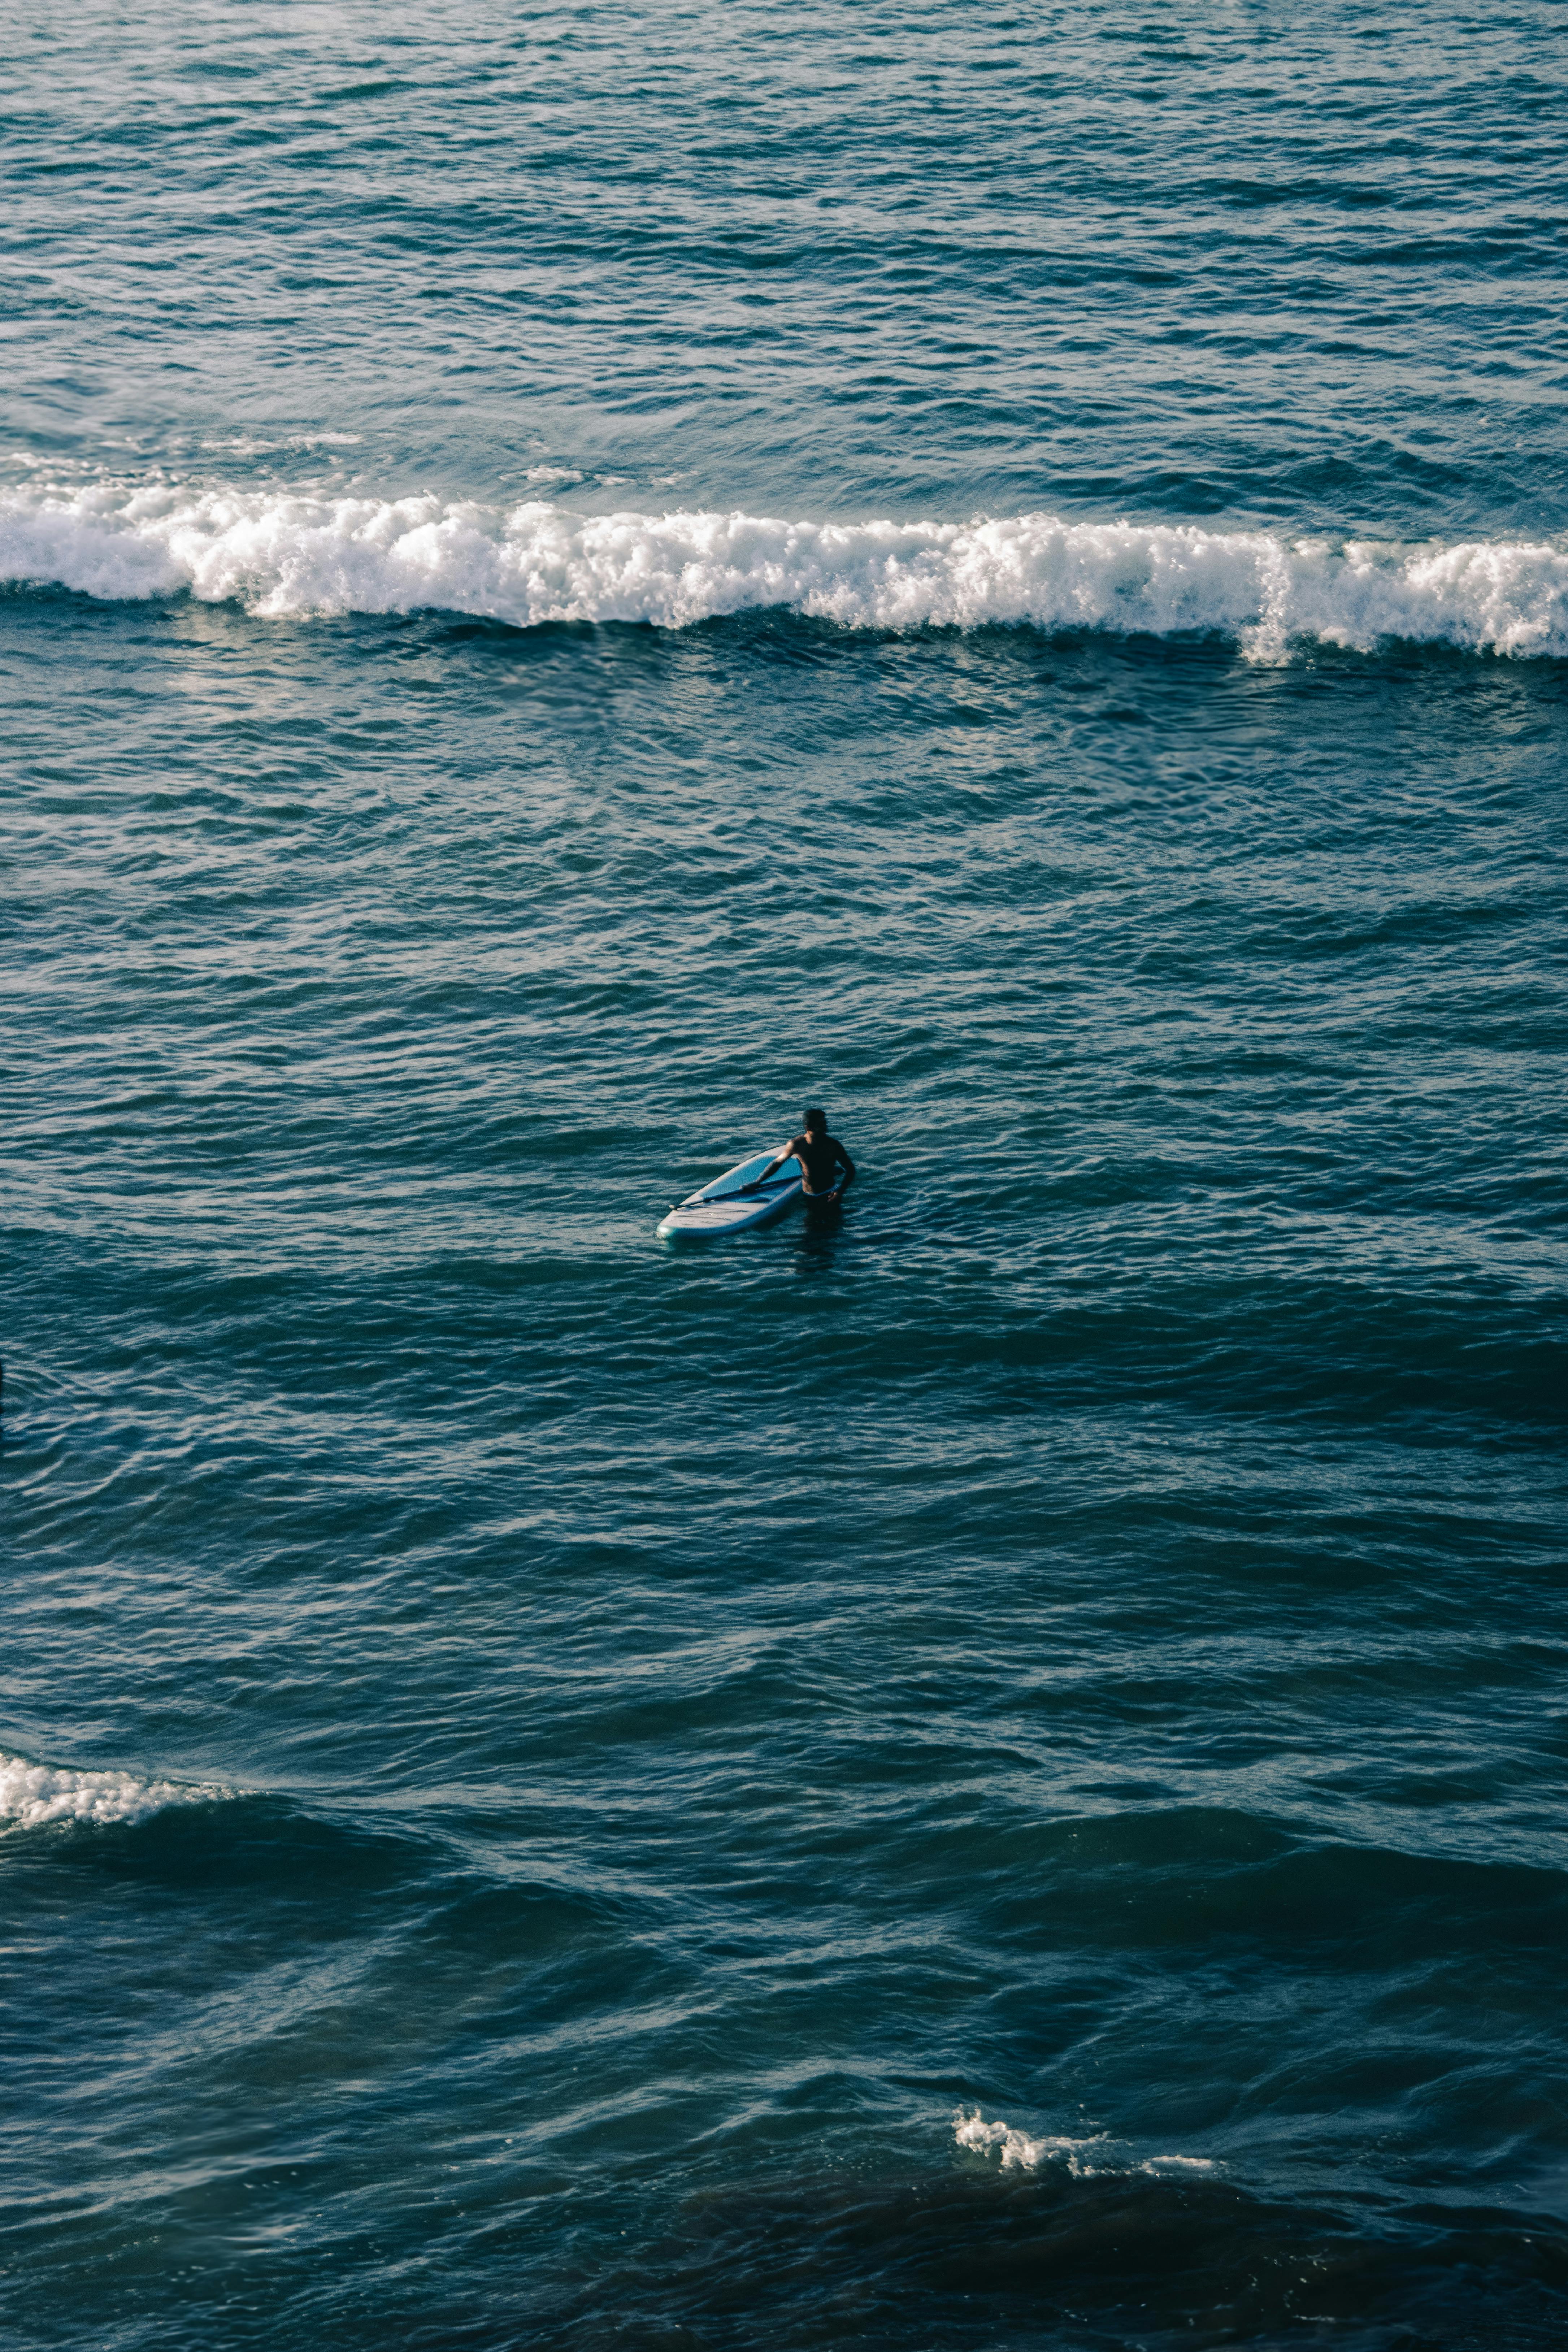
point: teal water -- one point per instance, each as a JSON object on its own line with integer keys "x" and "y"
{"x": 988, "y": 1770}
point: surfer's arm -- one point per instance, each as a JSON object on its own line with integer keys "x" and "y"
{"x": 775, "y": 1165}
{"x": 844, "y": 1161}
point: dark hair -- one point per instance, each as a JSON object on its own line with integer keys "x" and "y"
{"x": 817, "y": 1119}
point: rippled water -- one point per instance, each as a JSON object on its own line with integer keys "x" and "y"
{"x": 985, "y": 1771}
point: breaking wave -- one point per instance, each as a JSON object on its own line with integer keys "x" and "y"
{"x": 34, "y": 1794}
{"x": 1016, "y": 2148}
{"x": 284, "y": 555}
{"x": 1083, "y": 2157}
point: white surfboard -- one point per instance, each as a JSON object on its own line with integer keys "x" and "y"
{"x": 734, "y": 1201}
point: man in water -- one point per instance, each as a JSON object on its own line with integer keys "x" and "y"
{"x": 820, "y": 1154}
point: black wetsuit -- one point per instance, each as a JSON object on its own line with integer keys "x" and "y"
{"x": 822, "y": 1159}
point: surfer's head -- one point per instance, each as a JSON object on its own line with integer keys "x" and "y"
{"x": 817, "y": 1122}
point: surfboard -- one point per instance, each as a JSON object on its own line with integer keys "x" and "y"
{"x": 734, "y": 1201}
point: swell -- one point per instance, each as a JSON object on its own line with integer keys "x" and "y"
{"x": 283, "y": 556}
{"x": 1157, "y": 2256}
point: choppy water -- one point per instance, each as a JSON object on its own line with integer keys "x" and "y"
{"x": 989, "y": 1772}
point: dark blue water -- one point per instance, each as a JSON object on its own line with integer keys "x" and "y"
{"x": 986, "y": 1769}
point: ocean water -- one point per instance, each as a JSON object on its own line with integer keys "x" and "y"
{"x": 987, "y": 1770}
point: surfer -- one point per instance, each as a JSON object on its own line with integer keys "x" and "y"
{"x": 820, "y": 1154}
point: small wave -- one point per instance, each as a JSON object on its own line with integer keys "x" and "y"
{"x": 1085, "y": 2158}
{"x": 283, "y": 556}
{"x": 33, "y": 1794}
{"x": 1017, "y": 2147}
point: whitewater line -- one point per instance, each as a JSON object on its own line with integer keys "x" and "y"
{"x": 281, "y": 555}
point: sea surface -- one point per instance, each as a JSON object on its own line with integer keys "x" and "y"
{"x": 985, "y": 1771}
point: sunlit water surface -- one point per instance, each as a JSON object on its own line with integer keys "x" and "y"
{"x": 985, "y": 1771}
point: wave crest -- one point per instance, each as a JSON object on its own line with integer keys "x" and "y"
{"x": 283, "y": 556}
{"x": 1084, "y": 2158}
{"x": 34, "y": 1794}
{"x": 1015, "y": 2148}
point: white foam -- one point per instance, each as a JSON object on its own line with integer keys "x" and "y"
{"x": 1083, "y": 2157}
{"x": 33, "y": 1794}
{"x": 1018, "y": 2148}
{"x": 283, "y": 556}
